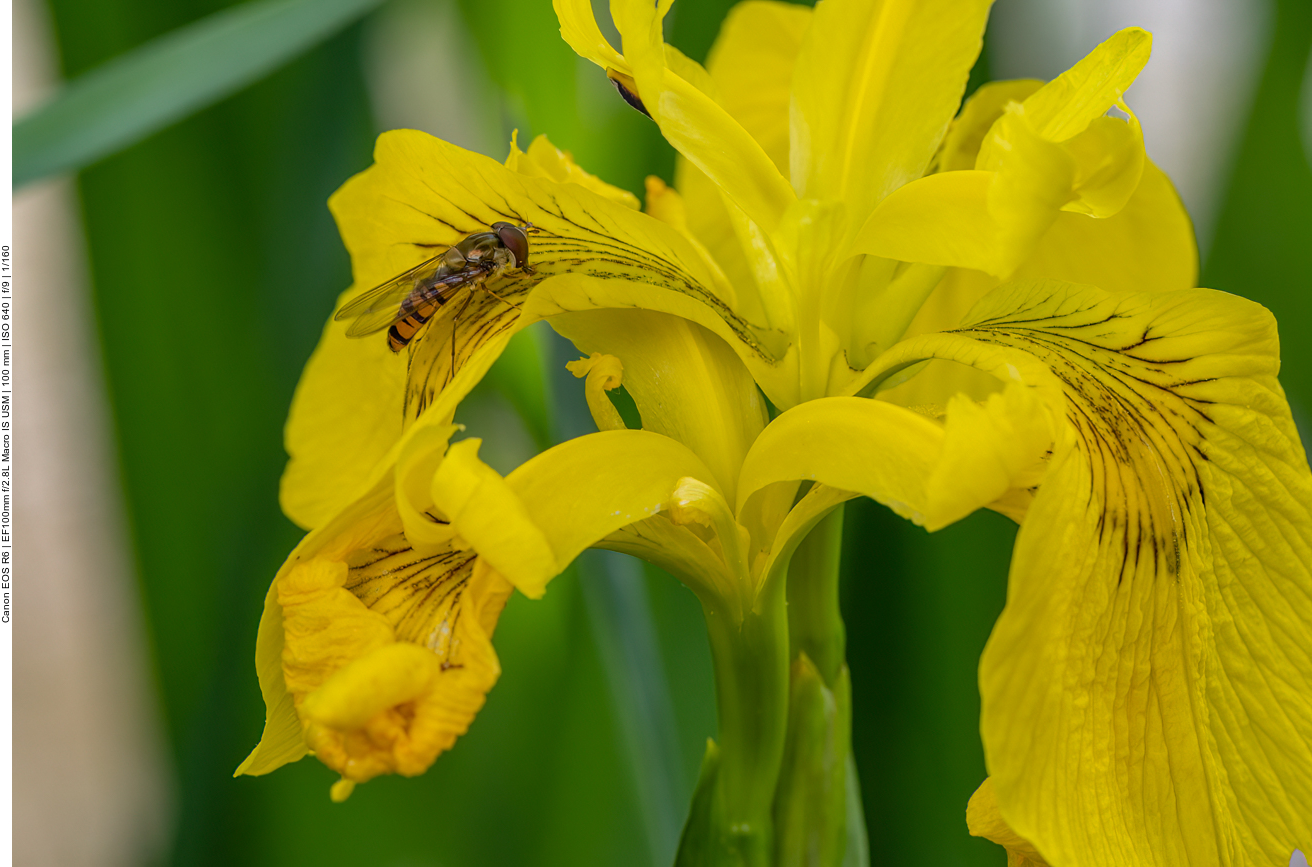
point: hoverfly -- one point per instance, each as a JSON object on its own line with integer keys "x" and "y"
{"x": 404, "y": 304}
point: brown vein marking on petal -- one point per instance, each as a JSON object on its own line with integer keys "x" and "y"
{"x": 561, "y": 245}
{"x": 419, "y": 594}
{"x": 1139, "y": 428}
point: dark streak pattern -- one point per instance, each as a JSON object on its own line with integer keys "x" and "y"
{"x": 420, "y": 595}
{"x": 1141, "y": 432}
{"x": 587, "y": 246}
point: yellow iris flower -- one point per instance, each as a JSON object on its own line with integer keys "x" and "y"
{"x": 952, "y": 309}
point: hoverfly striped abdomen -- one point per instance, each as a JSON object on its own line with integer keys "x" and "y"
{"x": 405, "y": 304}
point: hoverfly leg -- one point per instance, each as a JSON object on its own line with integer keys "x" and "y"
{"x": 455, "y": 320}
{"x": 499, "y": 298}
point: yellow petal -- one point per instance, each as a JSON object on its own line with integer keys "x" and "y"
{"x": 481, "y": 505}
{"x": 697, "y": 126}
{"x": 987, "y": 220}
{"x": 569, "y": 498}
{"x": 984, "y": 820}
{"x": 988, "y": 449}
{"x": 393, "y": 674}
{"x": 693, "y": 502}
{"x": 709, "y": 222}
{"x": 545, "y": 160}
{"x": 344, "y": 418}
{"x": 579, "y": 29}
{"x": 930, "y": 472}
{"x": 1055, "y": 151}
{"x": 941, "y": 219}
{"x": 384, "y": 651}
{"x": 1065, "y": 106}
{"x": 795, "y": 527}
{"x": 283, "y": 740}
{"x": 877, "y": 83}
{"x": 869, "y": 447}
{"x": 422, "y": 194}
{"x": 751, "y": 64}
{"x": 762, "y": 352}
{"x": 1148, "y": 245}
{"x": 687, "y": 383}
{"x": 665, "y": 204}
{"x": 1109, "y": 162}
{"x": 1147, "y": 692}
{"x": 981, "y": 111}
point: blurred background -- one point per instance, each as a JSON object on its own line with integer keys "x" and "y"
{"x": 174, "y": 289}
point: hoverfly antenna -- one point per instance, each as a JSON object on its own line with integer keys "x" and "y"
{"x": 516, "y": 241}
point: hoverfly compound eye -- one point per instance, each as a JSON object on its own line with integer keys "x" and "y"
{"x": 516, "y": 241}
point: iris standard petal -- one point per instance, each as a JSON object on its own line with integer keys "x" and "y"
{"x": 695, "y": 124}
{"x": 931, "y": 472}
{"x": 752, "y": 64}
{"x": 869, "y": 447}
{"x": 876, "y": 84}
{"x": 1065, "y": 106}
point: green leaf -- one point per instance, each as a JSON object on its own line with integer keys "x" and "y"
{"x": 169, "y": 78}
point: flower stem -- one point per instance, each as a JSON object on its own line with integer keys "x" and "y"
{"x": 815, "y": 623}
{"x": 751, "y": 679}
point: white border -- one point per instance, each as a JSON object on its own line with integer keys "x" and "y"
{"x": 6, "y": 625}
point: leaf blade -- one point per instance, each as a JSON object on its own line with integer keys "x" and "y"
{"x": 168, "y": 78}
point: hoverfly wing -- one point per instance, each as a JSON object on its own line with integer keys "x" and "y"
{"x": 385, "y": 305}
{"x": 426, "y": 297}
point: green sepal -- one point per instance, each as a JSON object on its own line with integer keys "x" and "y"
{"x": 810, "y": 812}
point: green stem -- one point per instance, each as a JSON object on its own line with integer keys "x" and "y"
{"x": 815, "y": 623}
{"x": 751, "y": 680}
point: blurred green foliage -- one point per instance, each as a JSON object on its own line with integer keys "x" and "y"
{"x": 171, "y": 77}
{"x": 215, "y": 263}
{"x": 1263, "y": 246}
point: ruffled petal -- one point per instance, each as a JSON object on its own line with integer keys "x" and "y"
{"x": 545, "y": 160}
{"x": 1054, "y": 152}
{"x": 383, "y": 649}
